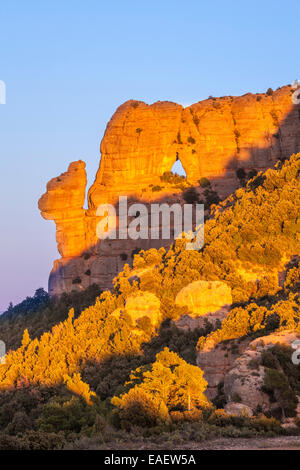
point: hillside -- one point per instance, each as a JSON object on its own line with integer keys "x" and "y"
{"x": 221, "y": 143}
{"x": 128, "y": 360}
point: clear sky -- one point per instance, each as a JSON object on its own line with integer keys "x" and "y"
{"x": 68, "y": 65}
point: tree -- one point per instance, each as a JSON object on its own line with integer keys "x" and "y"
{"x": 137, "y": 407}
{"x": 169, "y": 384}
{"x": 189, "y": 387}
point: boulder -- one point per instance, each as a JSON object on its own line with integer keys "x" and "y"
{"x": 238, "y": 409}
{"x": 143, "y": 304}
{"x": 203, "y": 297}
{"x": 246, "y": 381}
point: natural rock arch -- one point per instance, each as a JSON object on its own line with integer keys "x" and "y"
{"x": 212, "y": 138}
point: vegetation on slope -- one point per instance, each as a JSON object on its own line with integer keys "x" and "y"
{"x": 252, "y": 237}
{"x": 254, "y": 233}
{"x": 168, "y": 385}
{"x": 40, "y": 313}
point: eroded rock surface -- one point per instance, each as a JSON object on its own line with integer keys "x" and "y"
{"x": 237, "y": 365}
{"x": 216, "y": 361}
{"x": 238, "y": 409}
{"x": 246, "y": 377}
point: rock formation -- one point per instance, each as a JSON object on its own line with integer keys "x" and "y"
{"x": 212, "y": 138}
{"x": 242, "y": 381}
{"x": 140, "y": 306}
{"x": 202, "y": 297}
{"x": 237, "y": 365}
{"x": 216, "y": 361}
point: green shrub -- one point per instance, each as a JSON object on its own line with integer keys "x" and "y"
{"x": 71, "y": 416}
{"x": 172, "y": 178}
{"x": 253, "y": 364}
{"x": 204, "y": 182}
{"x": 156, "y": 188}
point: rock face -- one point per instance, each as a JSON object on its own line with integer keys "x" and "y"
{"x": 216, "y": 362}
{"x": 246, "y": 381}
{"x": 63, "y": 202}
{"x": 207, "y": 302}
{"x": 212, "y": 139}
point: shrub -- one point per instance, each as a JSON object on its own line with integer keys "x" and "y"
{"x": 193, "y": 415}
{"x": 253, "y": 364}
{"x": 236, "y": 398}
{"x": 172, "y": 178}
{"x": 138, "y": 408}
{"x": 169, "y": 384}
{"x": 204, "y": 182}
{"x": 211, "y": 197}
{"x": 252, "y": 173}
{"x": 156, "y": 188}
{"x": 276, "y": 384}
{"x": 178, "y": 416}
{"x": 190, "y": 196}
{"x": 33, "y": 440}
{"x": 191, "y": 140}
{"x": 240, "y": 173}
{"x": 72, "y": 416}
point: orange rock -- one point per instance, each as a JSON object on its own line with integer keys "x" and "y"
{"x": 203, "y": 297}
{"x": 211, "y": 138}
{"x": 63, "y": 202}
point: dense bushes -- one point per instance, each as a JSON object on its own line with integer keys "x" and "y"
{"x": 282, "y": 378}
{"x": 253, "y": 319}
{"x": 251, "y": 237}
{"x": 55, "y": 380}
{"x": 40, "y": 313}
{"x": 169, "y": 384}
{"x": 172, "y": 178}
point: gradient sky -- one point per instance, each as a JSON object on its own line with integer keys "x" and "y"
{"x": 68, "y": 65}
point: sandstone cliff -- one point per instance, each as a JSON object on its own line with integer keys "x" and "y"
{"x": 212, "y": 139}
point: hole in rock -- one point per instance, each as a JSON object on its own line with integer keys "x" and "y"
{"x": 178, "y": 168}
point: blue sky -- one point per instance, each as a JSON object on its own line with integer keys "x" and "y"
{"x": 68, "y": 65}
